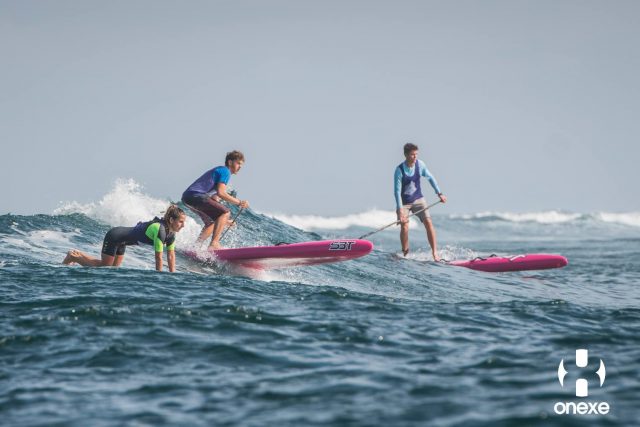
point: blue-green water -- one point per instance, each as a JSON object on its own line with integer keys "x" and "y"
{"x": 377, "y": 341}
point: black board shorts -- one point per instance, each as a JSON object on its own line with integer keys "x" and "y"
{"x": 117, "y": 239}
{"x": 205, "y": 207}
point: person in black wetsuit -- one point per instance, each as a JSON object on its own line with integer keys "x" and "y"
{"x": 157, "y": 232}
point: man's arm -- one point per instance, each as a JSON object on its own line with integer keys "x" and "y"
{"x": 222, "y": 193}
{"x": 397, "y": 187}
{"x": 434, "y": 184}
{"x": 425, "y": 173}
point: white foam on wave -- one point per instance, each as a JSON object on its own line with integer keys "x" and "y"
{"x": 126, "y": 204}
{"x": 448, "y": 253}
{"x": 45, "y": 245}
{"x": 630, "y": 218}
{"x": 374, "y": 218}
{"x": 545, "y": 217}
{"x": 556, "y": 217}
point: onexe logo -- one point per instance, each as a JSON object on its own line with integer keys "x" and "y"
{"x": 582, "y": 389}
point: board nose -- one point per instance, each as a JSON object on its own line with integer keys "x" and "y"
{"x": 365, "y": 246}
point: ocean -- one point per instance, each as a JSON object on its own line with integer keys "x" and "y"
{"x": 378, "y": 341}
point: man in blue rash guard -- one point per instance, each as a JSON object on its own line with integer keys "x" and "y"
{"x": 408, "y": 194}
{"x": 159, "y": 233}
{"x": 204, "y": 195}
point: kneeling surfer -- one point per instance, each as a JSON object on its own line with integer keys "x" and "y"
{"x": 157, "y": 232}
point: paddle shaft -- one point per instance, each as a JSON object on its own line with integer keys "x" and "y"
{"x": 398, "y": 221}
{"x": 232, "y": 222}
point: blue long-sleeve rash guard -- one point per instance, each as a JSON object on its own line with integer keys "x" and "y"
{"x": 397, "y": 179}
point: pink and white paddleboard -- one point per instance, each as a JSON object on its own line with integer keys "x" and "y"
{"x": 496, "y": 264}
{"x": 287, "y": 255}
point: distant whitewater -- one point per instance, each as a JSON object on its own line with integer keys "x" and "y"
{"x": 376, "y": 218}
{"x": 126, "y": 203}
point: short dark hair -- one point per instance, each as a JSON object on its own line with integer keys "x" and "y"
{"x": 233, "y": 155}
{"x": 409, "y": 147}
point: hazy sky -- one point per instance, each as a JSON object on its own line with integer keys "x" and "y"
{"x": 516, "y": 105}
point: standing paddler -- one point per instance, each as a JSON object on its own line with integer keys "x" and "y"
{"x": 408, "y": 194}
{"x": 204, "y": 195}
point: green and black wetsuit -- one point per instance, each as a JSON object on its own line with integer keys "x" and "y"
{"x": 154, "y": 232}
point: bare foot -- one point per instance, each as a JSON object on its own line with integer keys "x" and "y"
{"x": 71, "y": 257}
{"x": 215, "y": 245}
{"x": 405, "y": 252}
{"x": 436, "y": 258}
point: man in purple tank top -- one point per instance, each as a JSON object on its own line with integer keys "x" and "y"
{"x": 204, "y": 195}
{"x": 408, "y": 194}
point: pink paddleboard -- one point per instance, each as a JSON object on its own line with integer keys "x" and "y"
{"x": 495, "y": 264}
{"x": 287, "y": 255}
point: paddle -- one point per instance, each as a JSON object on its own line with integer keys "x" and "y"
{"x": 398, "y": 221}
{"x": 232, "y": 222}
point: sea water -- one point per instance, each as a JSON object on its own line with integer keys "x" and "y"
{"x": 382, "y": 340}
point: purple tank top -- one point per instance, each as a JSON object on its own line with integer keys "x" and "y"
{"x": 206, "y": 184}
{"x": 410, "y": 191}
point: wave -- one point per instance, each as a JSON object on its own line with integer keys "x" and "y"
{"x": 555, "y": 217}
{"x": 546, "y": 217}
{"x": 126, "y": 204}
{"x": 631, "y": 218}
{"x": 376, "y": 218}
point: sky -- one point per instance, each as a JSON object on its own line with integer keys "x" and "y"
{"x": 516, "y": 105}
